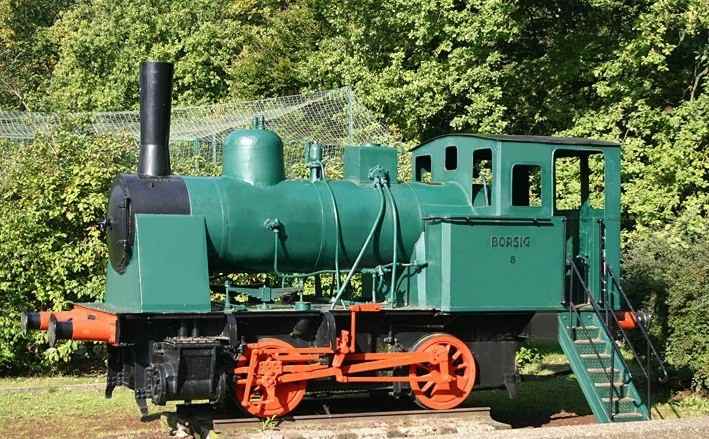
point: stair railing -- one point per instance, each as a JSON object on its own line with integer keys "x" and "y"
{"x": 603, "y": 313}
{"x": 607, "y": 273}
{"x": 649, "y": 346}
{"x": 613, "y": 393}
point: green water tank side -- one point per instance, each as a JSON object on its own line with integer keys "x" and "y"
{"x": 254, "y": 156}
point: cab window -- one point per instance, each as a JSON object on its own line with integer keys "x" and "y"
{"x": 423, "y": 169}
{"x": 527, "y": 185}
{"x": 482, "y": 177}
{"x": 451, "y": 161}
{"x": 578, "y": 179}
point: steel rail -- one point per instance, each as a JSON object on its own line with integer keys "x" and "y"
{"x": 347, "y": 416}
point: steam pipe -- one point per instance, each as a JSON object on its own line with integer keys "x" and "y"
{"x": 155, "y": 106}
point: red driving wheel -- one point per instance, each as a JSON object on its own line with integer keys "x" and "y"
{"x": 428, "y": 384}
{"x": 285, "y": 397}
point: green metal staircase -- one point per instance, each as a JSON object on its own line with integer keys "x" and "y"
{"x": 594, "y": 359}
{"x": 587, "y": 335}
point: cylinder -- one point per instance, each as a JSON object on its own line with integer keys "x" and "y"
{"x": 155, "y": 107}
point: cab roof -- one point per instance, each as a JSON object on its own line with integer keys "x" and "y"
{"x": 579, "y": 141}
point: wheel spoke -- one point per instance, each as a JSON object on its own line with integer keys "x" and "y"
{"x": 278, "y": 401}
{"x": 456, "y": 355}
{"x": 460, "y": 382}
{"x": 427, "y": 386}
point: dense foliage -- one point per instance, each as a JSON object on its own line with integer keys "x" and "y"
{"x": 635, "y": 72}
{"x": 668, "y": 271}
{"x": 51, "y": 248}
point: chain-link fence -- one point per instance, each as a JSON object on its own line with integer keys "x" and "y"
{"x": 332, "y": 118}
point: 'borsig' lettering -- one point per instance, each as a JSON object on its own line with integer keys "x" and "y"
{"x": 509, "y": 241}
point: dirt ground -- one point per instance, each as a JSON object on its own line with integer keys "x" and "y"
{"x": 689, "y": 428}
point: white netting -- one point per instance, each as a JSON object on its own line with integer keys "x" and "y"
{"x": 333, "y": 118}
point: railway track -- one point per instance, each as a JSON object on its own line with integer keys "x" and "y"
{"x": 346, "y": 417}
{"x": 355, "y": 418}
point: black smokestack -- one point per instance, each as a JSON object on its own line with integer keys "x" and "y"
{"x": 155, "y": 103}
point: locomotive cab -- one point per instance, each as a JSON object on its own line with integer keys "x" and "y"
{"x": 535, "y": 203}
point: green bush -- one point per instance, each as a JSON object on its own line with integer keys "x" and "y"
{"x": 668, "y": 272}
{"x": 52, "y": 197}
{"x": 527, "y": 355}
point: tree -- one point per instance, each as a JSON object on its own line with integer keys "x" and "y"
{"x": 26, "y": 53}
{"x": 220, "y": 49}
{"x": 101, "y": 45}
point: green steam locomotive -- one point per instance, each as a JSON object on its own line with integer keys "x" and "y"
{"x": 432, "y": 281}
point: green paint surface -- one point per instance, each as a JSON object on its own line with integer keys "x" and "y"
{"x": 168, "y": 271}
{"x": 496, "y": 265}
{"x": 470, "y": 255}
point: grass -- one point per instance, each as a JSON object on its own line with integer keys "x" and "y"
{"x": 681, "y": 405}
{"x": 551, "y": 360}
{"x": 49, "y": 381}
{"x": 536, "y": 402}
{"x": 55, "y": 409}
{"x": 57, "y": 401}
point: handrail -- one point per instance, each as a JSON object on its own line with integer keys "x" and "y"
{"x": 614, "y": 348}
{"x": 477, "y": 218}
{"x": 599, "y": 313}
{"x": 640, "y": 325}
{"x": 375, "y": 226}
{"x": 607, "y": 272}
{"x": 602, "y": 311}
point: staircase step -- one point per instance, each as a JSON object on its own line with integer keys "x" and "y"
{"x": 603, "y": 355}
{"x": 620, "y": 389}
{"x": 586, "y": 332}
{"x": 582, "y": 341}
{"x": 600, "y": 375}
{"x": 628, "y": 417}
{"x": 622, "y": 405}
{"x": 593, "y": 361}
{"x": 605, "y": 385}
{"x": 596, "y": 346}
